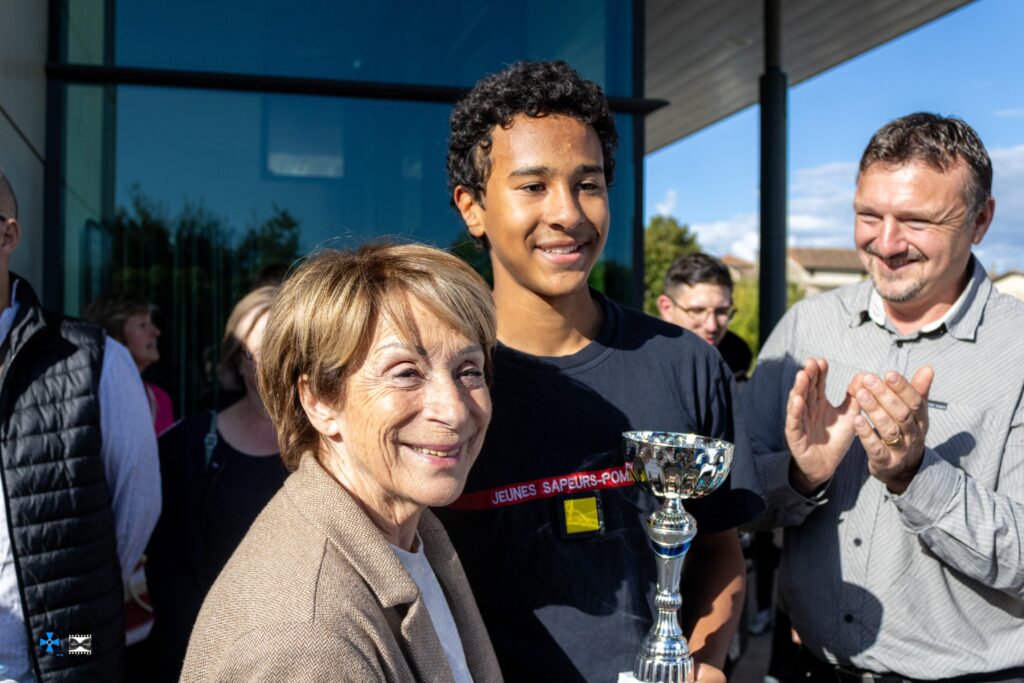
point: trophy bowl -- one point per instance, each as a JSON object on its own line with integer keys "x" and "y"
{"x": 673, "y": 467}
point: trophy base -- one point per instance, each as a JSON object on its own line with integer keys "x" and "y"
{"x": 683, "y": 674}
{"x": 628, "y": 677}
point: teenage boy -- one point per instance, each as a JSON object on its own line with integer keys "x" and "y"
{"x": 550, "y": 528}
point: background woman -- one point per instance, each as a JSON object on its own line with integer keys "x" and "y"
{"x": 218, "y": 471}
{"x": 374, "y": 368}
{"x": 129, "y": 320}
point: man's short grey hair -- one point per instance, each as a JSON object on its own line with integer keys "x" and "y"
{"x": 8, "y": 202}
{"x": 939, "y": 141}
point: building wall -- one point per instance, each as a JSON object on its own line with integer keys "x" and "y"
{"x": 23, "y": 36}
{"x": 1012, "y": 284}
{"x": 820, "y": 280}
{"x": 189, "y": 195}
{"x": 824, "y": 280}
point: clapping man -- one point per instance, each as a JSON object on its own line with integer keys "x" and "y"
{"x": 888, "y": 427}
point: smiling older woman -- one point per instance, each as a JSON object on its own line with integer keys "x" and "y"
{"x": 374, "y": 368}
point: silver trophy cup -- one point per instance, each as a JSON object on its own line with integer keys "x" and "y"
{"x": 673, "y": 467}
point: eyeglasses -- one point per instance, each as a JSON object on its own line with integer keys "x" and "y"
{"x": 699, "y": 314}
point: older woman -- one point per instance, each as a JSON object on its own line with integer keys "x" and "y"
{"x": 129, "y": 320}
{"x": 374, "y": 369}
{"x": 218, "y": 471}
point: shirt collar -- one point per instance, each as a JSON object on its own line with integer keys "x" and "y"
{"x": 7, "y": 316}
{"x": 961, "y": 320}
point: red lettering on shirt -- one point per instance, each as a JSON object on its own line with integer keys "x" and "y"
{"x": 521, "y": 492}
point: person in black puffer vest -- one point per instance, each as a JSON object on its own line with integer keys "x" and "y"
{"x": 80, "y": 484}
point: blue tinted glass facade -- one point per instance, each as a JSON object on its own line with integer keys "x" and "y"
{"x": 191, "y": 195}
{"x": 450, "y": 42}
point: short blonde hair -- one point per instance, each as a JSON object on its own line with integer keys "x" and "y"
{"x": 326, "y": 316}
{"x": 111, "y": 312}
{"x": 232, "y": 346}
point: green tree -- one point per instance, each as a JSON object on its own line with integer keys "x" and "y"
{"x": 665, "y": 240}
{"x": 745, "y": 324}
{"x": 186, "y": 263}
{"x": 270, "y": 244}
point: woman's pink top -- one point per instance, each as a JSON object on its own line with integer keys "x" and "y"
{"x": 163, "y": 415}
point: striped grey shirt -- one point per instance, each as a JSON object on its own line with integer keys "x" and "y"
{"x": 928, "y": 584}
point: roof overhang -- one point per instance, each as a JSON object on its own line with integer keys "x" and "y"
{"x": 705, "y": 56}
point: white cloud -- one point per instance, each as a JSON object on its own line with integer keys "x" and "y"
{"x": 821, "y": 214}
{"x": 1003, "y": 246}
{"x": 666, "y": 207}
{"x": 746, "y": 247}
{"x": 737, "y": 235}
{"x": 1012, "y": 113}
{"x": 820, "y": 201}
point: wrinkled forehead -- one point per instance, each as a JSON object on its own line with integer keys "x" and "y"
{"x": 920, "y": 175}
{"x": 413, "y": 320}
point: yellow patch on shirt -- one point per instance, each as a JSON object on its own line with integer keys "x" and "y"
{"x": 581, "y": 515}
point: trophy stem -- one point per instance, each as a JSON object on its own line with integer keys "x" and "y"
{"x": 664, "y": 655}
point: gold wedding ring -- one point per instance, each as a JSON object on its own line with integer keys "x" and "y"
{"x": 897, "y": 442}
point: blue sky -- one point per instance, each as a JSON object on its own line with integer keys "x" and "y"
{"x": 969, "y": 63}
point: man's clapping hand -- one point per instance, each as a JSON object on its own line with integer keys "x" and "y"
{"x": 898, "y": 409}
{"x": 818, "y": 433}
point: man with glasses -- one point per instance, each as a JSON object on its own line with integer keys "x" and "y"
{"x": 698, "y": 297}
{"x": 80, "y": 489}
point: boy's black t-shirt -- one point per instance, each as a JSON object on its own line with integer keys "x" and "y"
{"x": 566, "y": 598}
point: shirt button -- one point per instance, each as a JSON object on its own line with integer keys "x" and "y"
{"x": 848, "y": 618}
{"x": 857, "y": 542}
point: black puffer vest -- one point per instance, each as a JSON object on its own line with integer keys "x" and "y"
{"x": 59, "y": 515}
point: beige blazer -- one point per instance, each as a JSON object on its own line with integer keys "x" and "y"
{"x": 315, "y": 593}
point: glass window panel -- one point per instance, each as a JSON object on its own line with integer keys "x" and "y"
{"x": 613, "y": 274}
{"x": 190, "y": 197}
{"x": 447, "y": 42}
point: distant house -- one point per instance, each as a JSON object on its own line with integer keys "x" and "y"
{"x": 813, "y": 270}
{"x": 819, "y": 270}
{"x": 1011, "y": 283}
{"x": 740, "y": 269}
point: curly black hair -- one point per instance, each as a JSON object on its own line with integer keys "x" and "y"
{"x": 531, "y": 88}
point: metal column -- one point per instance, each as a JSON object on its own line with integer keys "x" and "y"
{"x": 773, "y": 85}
